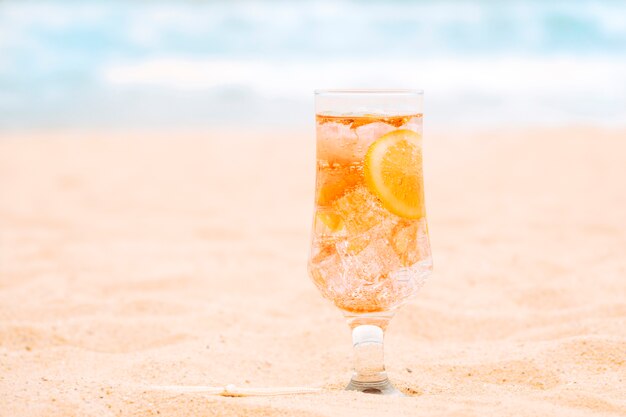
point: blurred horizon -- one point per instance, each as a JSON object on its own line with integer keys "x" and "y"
{"x": 67, "y": 64}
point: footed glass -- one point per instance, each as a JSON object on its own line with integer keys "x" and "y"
{"x": 370, "y": 249}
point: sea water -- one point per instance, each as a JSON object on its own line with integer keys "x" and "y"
{"x": 208, "y": 63}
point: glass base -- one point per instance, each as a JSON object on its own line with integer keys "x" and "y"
{"x": 383, "y": 387}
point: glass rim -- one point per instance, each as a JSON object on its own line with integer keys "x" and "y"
{"x": 375, "y": 91}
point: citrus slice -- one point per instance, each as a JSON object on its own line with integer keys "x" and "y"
{"x": 393, "y": 172}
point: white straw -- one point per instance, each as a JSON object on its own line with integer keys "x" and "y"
{"x": 231, "y": 390}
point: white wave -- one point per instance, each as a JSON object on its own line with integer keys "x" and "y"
{"x": 507, "y": 89}
{"x": 504, "y": 76}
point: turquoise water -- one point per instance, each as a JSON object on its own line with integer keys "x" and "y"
{"x": 201, "y": 63}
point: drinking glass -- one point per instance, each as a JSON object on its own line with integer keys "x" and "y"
{"x": 370, "y": 250}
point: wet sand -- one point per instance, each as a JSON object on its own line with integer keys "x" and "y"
{"x": 129, "y": 260}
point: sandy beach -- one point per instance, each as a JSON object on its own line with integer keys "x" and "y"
{"x": 134, "y": 260}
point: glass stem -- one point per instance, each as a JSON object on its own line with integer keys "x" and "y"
{"x": 369, "y": 357}
{"x": 369, "y": 374}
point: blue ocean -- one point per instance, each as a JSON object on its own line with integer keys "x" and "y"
{"x": 144, "y": 64}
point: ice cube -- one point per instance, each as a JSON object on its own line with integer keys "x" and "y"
{"x": 336, "y": 143}
{"x": 367, "y": 134}
{"x": 408, "y": 280}
{"x": 344, "y": 143}
{"x": 329, "y": 224}
{"x": 327, "y": 272}
{"x": 352, "y": 244}
{"x": 360, "y": 210}
{"x": 372, "y": 263}
{"x": 409, "y": 240}
{"x": 414, "y": 124}
{"x": 372, "y": 280}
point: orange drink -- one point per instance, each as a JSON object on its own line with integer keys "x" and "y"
{"x": 370, "y": 248}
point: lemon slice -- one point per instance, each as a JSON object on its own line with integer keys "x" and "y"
{"x": 393, "y": 172}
